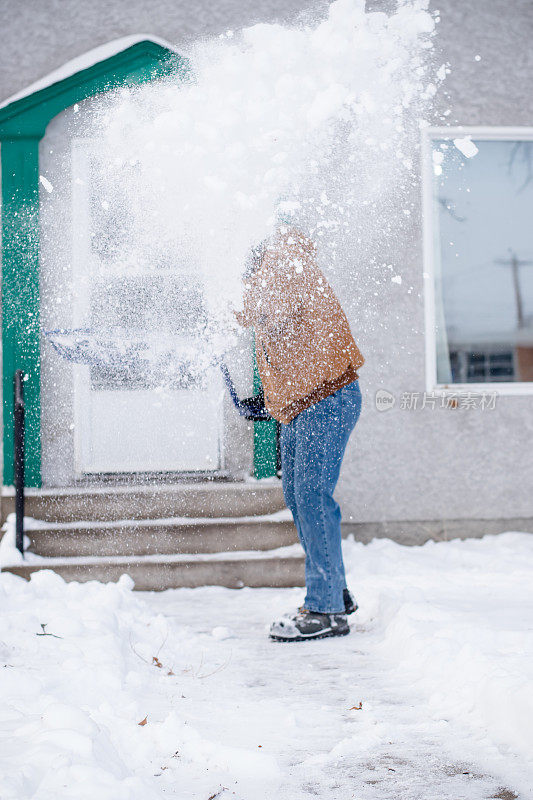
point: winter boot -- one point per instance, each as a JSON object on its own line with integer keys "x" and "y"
{"x": 349, "y": 602}
{"x": 308, "y": 625}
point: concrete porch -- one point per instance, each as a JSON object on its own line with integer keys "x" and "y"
{"x": 164, "y": 535}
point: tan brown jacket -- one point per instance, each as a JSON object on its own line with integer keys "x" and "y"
{"x": 304, "y": 346}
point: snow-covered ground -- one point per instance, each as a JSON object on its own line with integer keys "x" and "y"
{"x": 109, "y": 694}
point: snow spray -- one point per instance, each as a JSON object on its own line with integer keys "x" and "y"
{"x": 322, "y": 119}
{"x": 171, "y": 183}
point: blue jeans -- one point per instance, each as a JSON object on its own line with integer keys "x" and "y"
{"x": 312, "y": 448}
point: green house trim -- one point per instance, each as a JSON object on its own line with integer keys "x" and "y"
{"x": 265, "y": 440}
{"x": 23, "y": 123}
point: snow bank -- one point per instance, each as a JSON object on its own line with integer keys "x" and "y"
{"x": 9, "y": 555}
{"x": 87, "y": 708}
{"x": 118, "y": 701}
{"x": 456, "y": 617}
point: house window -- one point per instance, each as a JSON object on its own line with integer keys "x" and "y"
{"x": 480, "y": 212}
{"x": 477, "y": 365}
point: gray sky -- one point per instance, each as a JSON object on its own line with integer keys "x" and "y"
{"x": 490, "y": 199}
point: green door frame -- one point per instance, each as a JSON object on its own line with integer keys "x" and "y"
{"x": 265, "y": 440}
{"x": 22, "y": 125}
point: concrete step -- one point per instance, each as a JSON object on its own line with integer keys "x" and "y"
{"x": 149, "y": 501}
{"x": 164, "y": 537}
{"x": 156, "y": 573}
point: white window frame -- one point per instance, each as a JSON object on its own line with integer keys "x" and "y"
{"x": 428, "y": 135}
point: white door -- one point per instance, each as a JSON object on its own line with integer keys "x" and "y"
{"x": 155, "y": 414}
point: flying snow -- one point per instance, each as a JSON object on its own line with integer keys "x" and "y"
{"x": 318, "y": 121}
{"x": 466, "y": 146}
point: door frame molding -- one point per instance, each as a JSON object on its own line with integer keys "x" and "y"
{"x": 23, "y": 123}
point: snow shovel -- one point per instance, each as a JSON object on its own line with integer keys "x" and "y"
{"x": 84, "y": 346}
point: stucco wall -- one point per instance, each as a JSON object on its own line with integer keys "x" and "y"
{"x": 433, "y": 464}
{"x": 400, "y": 464}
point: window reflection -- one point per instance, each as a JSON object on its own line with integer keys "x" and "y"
{"x": 483, "y": 210}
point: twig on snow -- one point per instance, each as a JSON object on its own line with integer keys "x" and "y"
{"x": 44, "y": 633}
{"x": 217, "y": 794}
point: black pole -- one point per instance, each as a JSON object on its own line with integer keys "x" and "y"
{"x": 19, "y": 459}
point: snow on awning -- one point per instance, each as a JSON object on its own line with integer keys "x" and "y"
{"x": 84, "y": 61}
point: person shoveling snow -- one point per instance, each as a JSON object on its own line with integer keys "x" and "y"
{"x": 308, "y": 362}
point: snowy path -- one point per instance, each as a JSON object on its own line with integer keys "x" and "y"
{"x": 294, "y": 700}
{"x": 182, "y": 695}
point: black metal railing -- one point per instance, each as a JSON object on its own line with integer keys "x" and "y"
{"x": 18, "y": 440}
